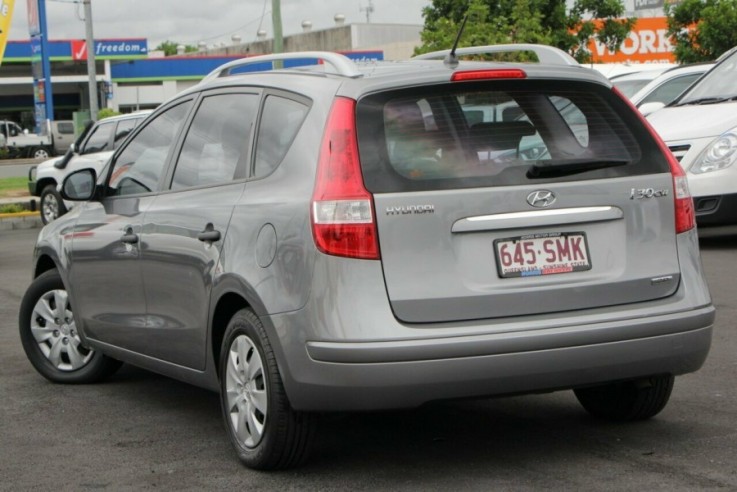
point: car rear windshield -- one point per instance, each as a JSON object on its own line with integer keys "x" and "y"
{"x": 500, "y": 133}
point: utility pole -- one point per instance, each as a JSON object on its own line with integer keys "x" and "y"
{"x": 276, "y": 20}
{"x": 91, "y": 69}
{"x": 369, "y": 10}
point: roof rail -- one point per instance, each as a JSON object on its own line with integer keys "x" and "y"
{"x": 545, "y": 54}
{"x": 341, "y": 64}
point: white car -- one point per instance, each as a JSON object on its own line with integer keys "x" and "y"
{"x": 629, "y": 83}
{"x": 666, "y": 87}
{"x": 700, "y": 128}
{"x": 92, "y": 149}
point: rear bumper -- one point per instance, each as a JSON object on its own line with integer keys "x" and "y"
{"x": 395, "y": 374}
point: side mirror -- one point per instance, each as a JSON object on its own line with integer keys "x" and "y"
{"x": 25, "y": 131}
{"x": 80, "y": 185}
{"x": 649, "y": 108}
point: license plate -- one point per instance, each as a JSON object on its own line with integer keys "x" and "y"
{"x": 542, "y": 254}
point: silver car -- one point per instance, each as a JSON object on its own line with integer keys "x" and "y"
{"x": 342, "y": 237}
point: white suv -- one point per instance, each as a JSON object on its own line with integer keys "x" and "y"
{"x": 92, "y": 149}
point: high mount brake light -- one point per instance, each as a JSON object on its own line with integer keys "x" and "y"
{"x": 684, "y": 207}
{"x": 343, "y": 221}
{"x": 506, "y": 73}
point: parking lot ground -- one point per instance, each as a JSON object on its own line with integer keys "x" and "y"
{"x": 141, "y": 431}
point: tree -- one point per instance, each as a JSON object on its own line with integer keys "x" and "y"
{"x": 702, "y": 29}
{"x": 106, "y": 113}
{"x": 170, "y": 48}
{"x": 604, "y": 25}
{"x": 526, "y": 21}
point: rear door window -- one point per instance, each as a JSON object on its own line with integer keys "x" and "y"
{"x": 281, "y": 119}
{"x": 500, "y": 134}
{"x": 217, "y": 140}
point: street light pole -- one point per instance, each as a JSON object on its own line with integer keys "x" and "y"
{"x": 91, "y": 69}
{"x": 276, "y": 21}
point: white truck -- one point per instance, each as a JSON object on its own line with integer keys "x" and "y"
{"x": 21, "y": 143}
{"x": 92, "y": 149}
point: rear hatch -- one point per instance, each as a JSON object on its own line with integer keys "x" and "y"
{"x": 513, "y": 197}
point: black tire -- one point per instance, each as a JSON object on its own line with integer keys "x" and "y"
{"x": 280, "y": 437}
{"x": 629, "y": 400}
{"x": 51, "y": 204}
{"x": 52, "y": 345}
{"x": 40, "y": 153}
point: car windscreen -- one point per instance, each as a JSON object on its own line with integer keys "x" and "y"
{"x": 718, "y": 85}
{"x": 500, "y": 133}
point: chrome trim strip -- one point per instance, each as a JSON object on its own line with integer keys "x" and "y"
{"x": 533, "y": 218}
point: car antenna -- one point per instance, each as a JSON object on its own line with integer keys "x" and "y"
{"x": 451, "y": 60}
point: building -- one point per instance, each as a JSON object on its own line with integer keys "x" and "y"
{"x": 131, "y": 77}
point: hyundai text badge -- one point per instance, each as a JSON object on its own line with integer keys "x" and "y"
{"x": 541, "y": 198}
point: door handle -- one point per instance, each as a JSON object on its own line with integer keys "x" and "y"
{"x": 129, "y": 237}
{"x": 209, "y": 235}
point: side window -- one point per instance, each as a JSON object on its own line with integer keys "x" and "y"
{"x": 139, "y": 166}
{"x": 66, "y": 128}
{"x": 122, "y": 131}
{"x": 99, "y": 139}
{"x": 216, "y": 141}
{"x": 14, "y": 130}
{"x": 280, "y": 122}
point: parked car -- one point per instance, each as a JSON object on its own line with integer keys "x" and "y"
{"x": 700, "y": 128}
{"x": 666, "y": 87}
{"x": 92, "y": 149}
{"x": 629, "y": 83}
{"x": 342, "y": 237}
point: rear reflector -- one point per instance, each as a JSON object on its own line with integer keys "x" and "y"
{"x": 683, "y": 202}
{"x": 506, "y": 73}
{"x": 342, "y": 209}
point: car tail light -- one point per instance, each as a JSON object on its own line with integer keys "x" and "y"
{"x": 684, "y": 207}
{"x": 343, "y": 221}
{"x": 506, "y": 73}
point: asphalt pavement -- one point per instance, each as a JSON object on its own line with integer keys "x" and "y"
{"x": 141, "y": 431}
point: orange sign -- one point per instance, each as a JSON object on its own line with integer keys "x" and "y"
{"x": 648, "y": 42}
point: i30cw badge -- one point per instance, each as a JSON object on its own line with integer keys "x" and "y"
{"x": 541, "y": 198}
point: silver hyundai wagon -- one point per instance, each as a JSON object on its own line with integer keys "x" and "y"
{"x": 333, "y": 236}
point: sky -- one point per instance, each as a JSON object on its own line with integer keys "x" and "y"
{"x": 210, "y": 21}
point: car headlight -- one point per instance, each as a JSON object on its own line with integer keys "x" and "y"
{"x": 719, "y": 154}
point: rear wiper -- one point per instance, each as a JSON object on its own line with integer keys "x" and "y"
{"x": 707, "y": 100}
{"x": 567, "y": 167}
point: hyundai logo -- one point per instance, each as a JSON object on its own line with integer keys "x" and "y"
{"x": 541, "y": 198}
